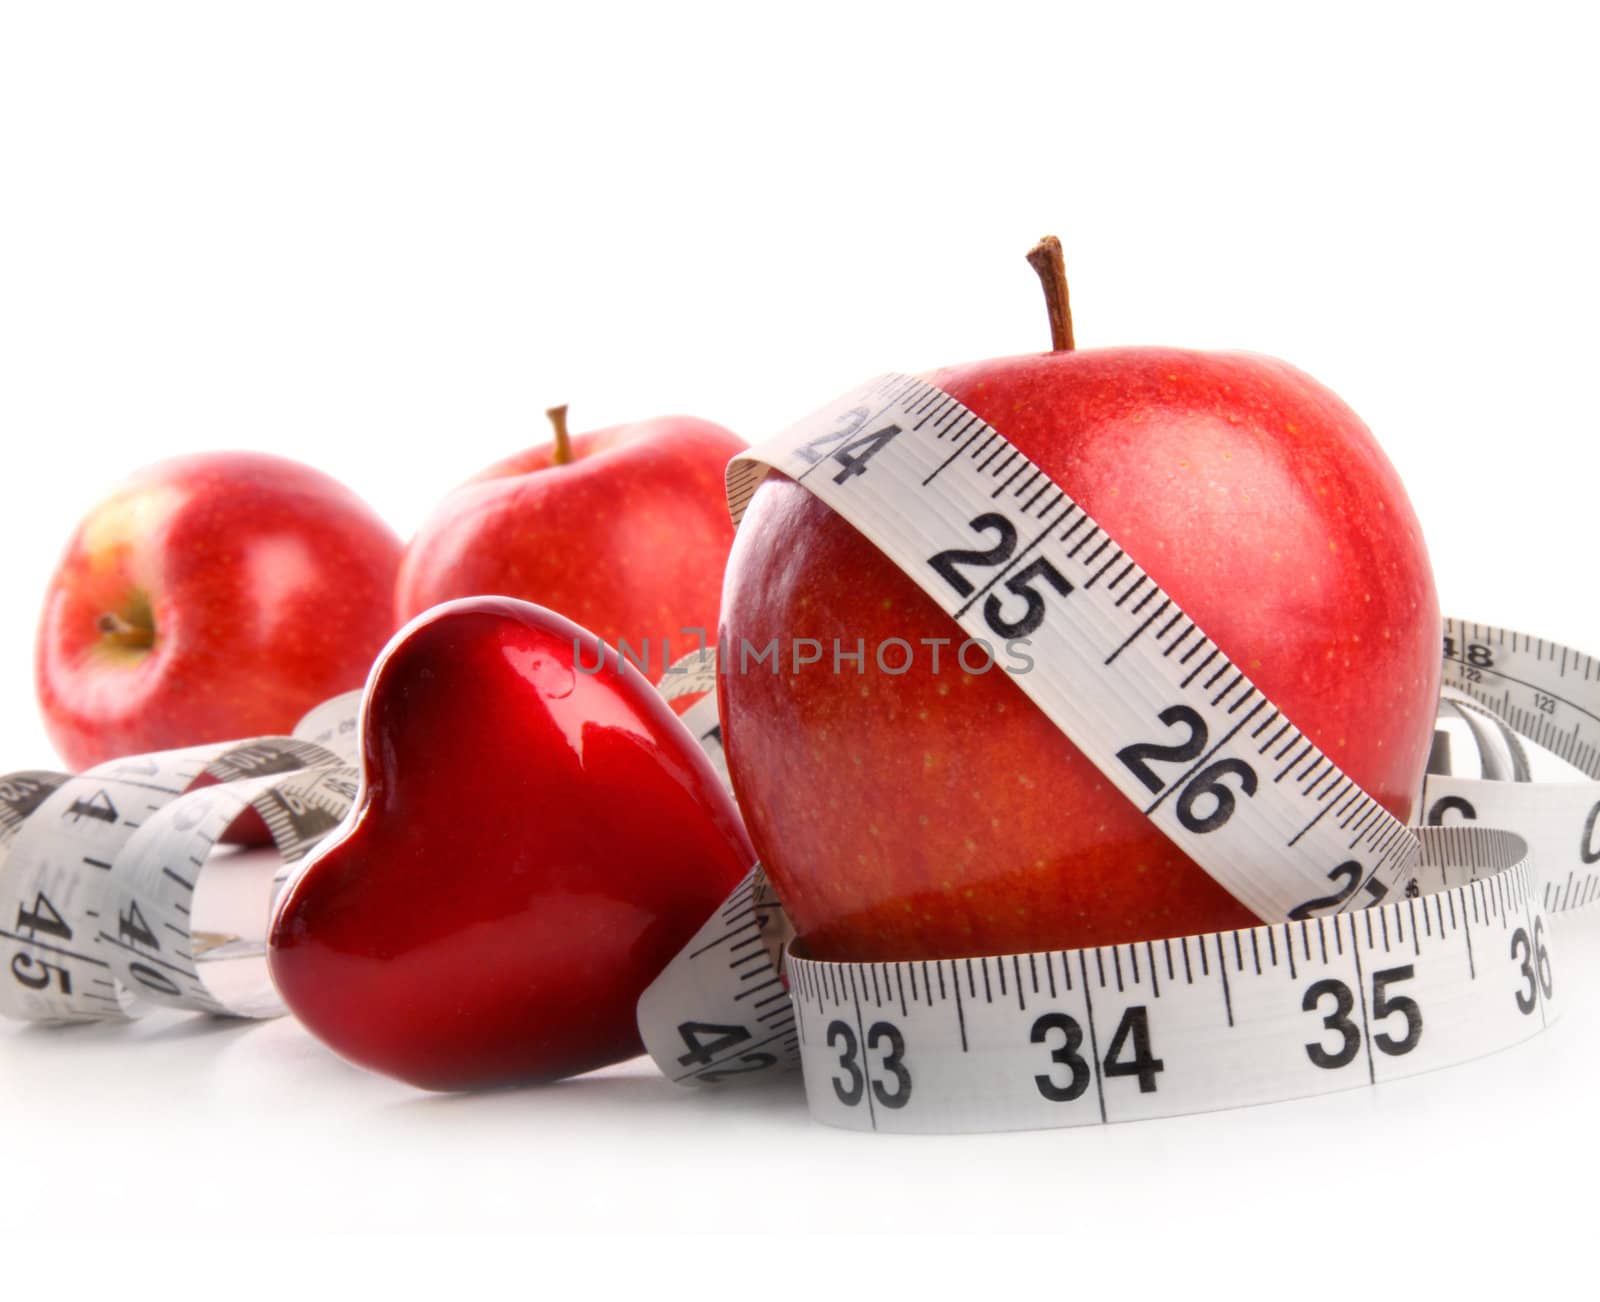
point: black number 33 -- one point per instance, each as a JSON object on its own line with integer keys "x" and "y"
{"x": 851, "y": 1088}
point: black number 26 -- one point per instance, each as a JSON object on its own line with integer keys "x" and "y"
{"x": 1207, "y": 782}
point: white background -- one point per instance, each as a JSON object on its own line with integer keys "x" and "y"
{"x": 382, "y": 239}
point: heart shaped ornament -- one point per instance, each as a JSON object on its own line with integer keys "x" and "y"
{"x": 536, "y": 835}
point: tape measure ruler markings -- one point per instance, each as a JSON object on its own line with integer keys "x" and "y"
{"x": 1501, "y": 754}
{"x": 20, "y": 794}
{"x": 930, "y": 484}
{"x": 1546, "y": 691}
{"x": 335, "y": 725}
{"x": 51, "y": 951}
{"x": 69, "y": 927}
{"x": 156, "y": 950}
{"x": 735, "y": 965}
{"x": 1550, "y": 694}
{"x": 1161, "y": 1028}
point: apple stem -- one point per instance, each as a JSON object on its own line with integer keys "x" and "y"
{"x": 558, "y": 422}
{"x": 121, "y": 632}
{"x": 1045, "y": 258}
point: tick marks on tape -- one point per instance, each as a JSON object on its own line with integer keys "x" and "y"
{"x": 1403, "y": 949}
{"x": 99, "y": 873}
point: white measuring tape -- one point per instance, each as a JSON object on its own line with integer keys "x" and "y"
{"x": 696, "y": 675}
{"x": 1395, "y": 950}
{"x": 99, "y": 873}
{"x": 1117, "y": 662}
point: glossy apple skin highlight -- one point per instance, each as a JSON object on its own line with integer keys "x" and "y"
{"x": 629, "y": 538}
{"x": 530, "y": 846}
{"x": 942, "y": 815}
{"x": 269, "y": 585}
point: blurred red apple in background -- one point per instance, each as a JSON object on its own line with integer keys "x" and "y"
{"x": 211, "y": 597}
{"x": 531, "y": 845}
{"x": 941, "y": 814}
{"x": 624, "y": 530}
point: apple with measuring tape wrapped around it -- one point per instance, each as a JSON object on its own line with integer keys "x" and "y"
{"x": 624, "y": 530}
{"x": 536, "y": 835}
{"x": 211, "y": 596}
{"x": 936, "y": 812}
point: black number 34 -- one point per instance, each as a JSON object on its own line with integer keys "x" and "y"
{"x": 1128, "y": 1054}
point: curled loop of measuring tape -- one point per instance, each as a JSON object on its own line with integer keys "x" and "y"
{"x": 1391, "y": 950}
{"x": 100, "y": 873}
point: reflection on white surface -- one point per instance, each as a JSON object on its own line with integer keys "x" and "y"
{"x": 232, "y": 907}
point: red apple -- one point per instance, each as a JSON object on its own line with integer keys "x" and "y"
{"x": 211, "y": 597}
{"x": 624, "y": 530}
{"x": 941, "y": 815}
{"x": 531, "y": 844}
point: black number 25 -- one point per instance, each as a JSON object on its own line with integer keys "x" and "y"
{"x": 948, "y": 565}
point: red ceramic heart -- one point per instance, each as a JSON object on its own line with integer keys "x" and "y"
{"x": 531, "y": 844}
